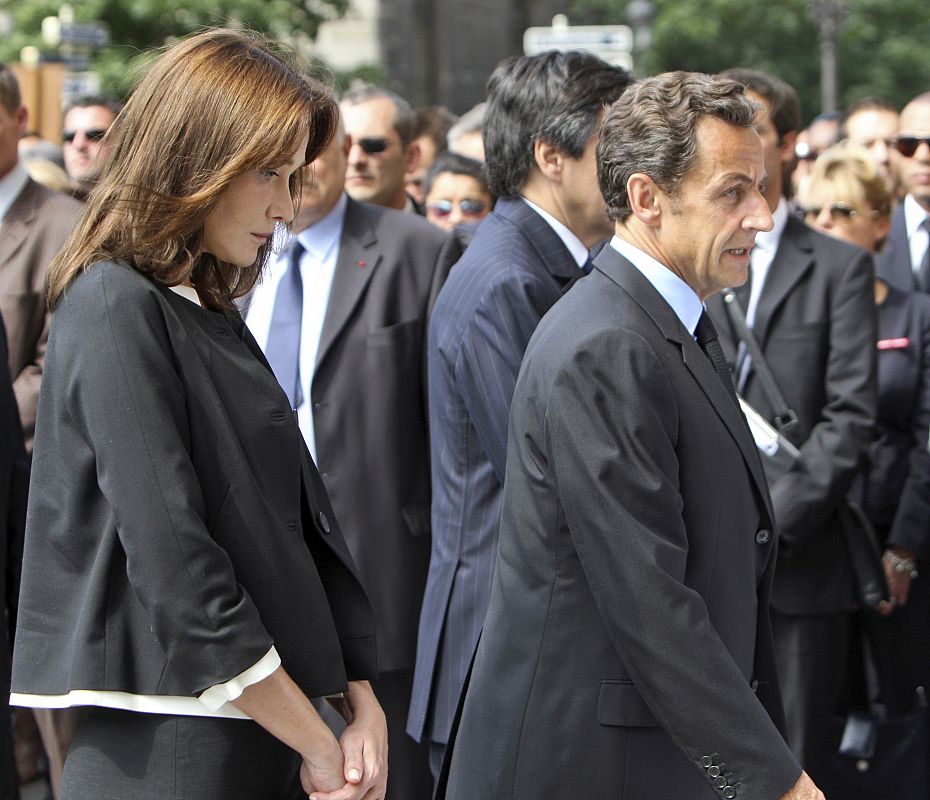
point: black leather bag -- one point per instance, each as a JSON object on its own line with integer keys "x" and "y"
{"x": 881, "y": 758}
{"x": 865, "y": 555}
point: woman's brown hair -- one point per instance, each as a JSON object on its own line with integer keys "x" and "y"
{"x": 211, "y": 108}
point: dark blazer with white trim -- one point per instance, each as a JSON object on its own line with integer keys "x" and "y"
{"x": 176, "y": 525}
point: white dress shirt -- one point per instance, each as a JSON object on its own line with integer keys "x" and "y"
{"x": 317, "y": 270}
{"x": 681, "y": 297}
{"x": 11, "y": 185}
{"x": 918, "y": 238}
{"x": 573, "y": 243}
{"x": 762, "y": 256}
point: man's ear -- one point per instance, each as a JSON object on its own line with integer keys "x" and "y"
{"x": 22, "y": 120}
{"x": 413, "y": 157}
{"x": 645, "y": 198}
{"x": 347, "y": 145}
{"x": 786, "y": 147}
{"x": 548, "y": 159}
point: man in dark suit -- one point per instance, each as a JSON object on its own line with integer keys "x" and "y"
{"x": 368, "y": 277}
{"x": 627, "y": 649}
{"x": 810, "y": 304}
{"x": 540, "y": 135}
{"x": 14, "y": 474}
{"x": 34, "y": 224}
{"x": 905, "y": 260}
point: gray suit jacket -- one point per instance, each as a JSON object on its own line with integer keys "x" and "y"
{"x": 627, "y": 648}
{"x": 816, "y": 324}
{"x": 34, "y": 230}
{"x": 369, "y": 409}
{"x": 515, "y": 268}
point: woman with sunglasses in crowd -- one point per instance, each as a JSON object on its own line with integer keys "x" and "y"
{"x": 184, "y": 580}
{"x": 457, "y": 195}
{"x": 847, "y": 197}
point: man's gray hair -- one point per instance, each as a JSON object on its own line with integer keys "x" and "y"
{"x": 651, "y": 130}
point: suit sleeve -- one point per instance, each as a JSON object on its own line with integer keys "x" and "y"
{"x": 806, "y": 497}
{"x": 118, "y": 365}
{"x": 491, "y": 353}
{"x": 611, "y": 426}
{"x": 911, "y": 527}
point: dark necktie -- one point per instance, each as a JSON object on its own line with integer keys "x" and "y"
{"x": 706, "y": 335}
{"x": 923, "y": 273}
{"x": 283, "y": 348}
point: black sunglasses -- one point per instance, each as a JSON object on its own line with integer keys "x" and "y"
{"x": 373, "y": 144}
{"x": 469, "y": 208}
{"x": 907, "y": 145}
{"x": 94, "y": 134}
{"x": 840, "y": 212}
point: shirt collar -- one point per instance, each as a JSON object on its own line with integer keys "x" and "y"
{"x": 573, "y": 243}
{"x": 681, "y": 297}
{"x": 768, "y": 240}
{"x": 319, "y": 238}
{"x": 11, "y": 185}
{"x": 914, "y": 215}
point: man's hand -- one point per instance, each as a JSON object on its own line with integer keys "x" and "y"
{"x": 899, "y": 583}
{"x": 323, "y": 772}
{"x": 804, "y": 789}
{"x": 364, "y": 748}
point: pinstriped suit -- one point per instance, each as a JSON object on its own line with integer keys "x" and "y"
{"x": 513, "y": 271}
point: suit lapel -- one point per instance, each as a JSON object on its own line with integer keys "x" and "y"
{"x": 17, "y": 221}
{"x": 793, "y": 259}
{"x": 622, "y": 272}
{"x": 355, "y": 264}
{"x": 549, "y": 247}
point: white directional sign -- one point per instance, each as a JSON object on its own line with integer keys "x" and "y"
{"x": 613, "y": 43}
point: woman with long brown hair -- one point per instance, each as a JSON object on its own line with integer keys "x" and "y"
{"x": 185, "y": 582}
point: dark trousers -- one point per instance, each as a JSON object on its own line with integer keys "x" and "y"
{"x": 124, "y": 755}
{"x": 811, "y": 652}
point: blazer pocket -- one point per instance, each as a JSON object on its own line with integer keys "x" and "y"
{"x": 416, "y": 515}
{"x": 620, "y": 704}
{"x": 399, "y": 332}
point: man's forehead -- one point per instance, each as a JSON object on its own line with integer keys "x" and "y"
{"x": 728, "y": 152}
{"x": 376, "y": 111}
{"x": 916, "y": 118}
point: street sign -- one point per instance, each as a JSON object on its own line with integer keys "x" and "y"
{"x": 85, "y": 34}
{"x": 613, "y": 43}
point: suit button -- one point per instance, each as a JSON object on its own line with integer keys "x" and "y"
{"x": 763, "y": 536}
{"x": 324, "y": 523}
{"x": 706, "y": 761}
{"x": 720, "y": 782}
{"x": 714, "y": 772}
{"x": 729, "y": 793}
{"x": 317, "y": 406}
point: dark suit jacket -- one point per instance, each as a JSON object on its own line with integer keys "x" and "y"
{"x": 34, "y": 230}
{"x": 893, "y": 265}
{"x": 14, "y": 473}
{"x": 515, "y": 268}
{"x": 815, "y": 322}
{"x": 369, "y": 409}
{"x": 176, "y": 527}
{"x": 628, "y": 624}
{"x": 894, "y": 488}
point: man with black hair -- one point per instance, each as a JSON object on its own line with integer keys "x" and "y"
{"x": 86, "y": 123}
{"x": 539, "y": 137}
{"x": 809, "y": 302}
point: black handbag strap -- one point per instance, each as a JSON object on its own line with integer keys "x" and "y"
{"x": 785, "y": 417}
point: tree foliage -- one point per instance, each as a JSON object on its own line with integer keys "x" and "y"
{"x": 882, "y": 48}
{"x": 139, "y": 26}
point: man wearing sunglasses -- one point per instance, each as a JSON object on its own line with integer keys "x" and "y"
{"x": 540, "y": 133}
{"x": 809, "y": 302}
{"x": 86, "y": 122}
{"x": 905, "y": 260}
{"x": 380, "y": 125}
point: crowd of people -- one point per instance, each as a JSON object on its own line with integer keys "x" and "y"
{"x": 374, "y": 452}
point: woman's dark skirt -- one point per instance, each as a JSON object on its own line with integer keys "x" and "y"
{"x": 124, "y": 755}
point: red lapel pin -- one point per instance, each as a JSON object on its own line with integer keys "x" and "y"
{"x": 361, "y": 264}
